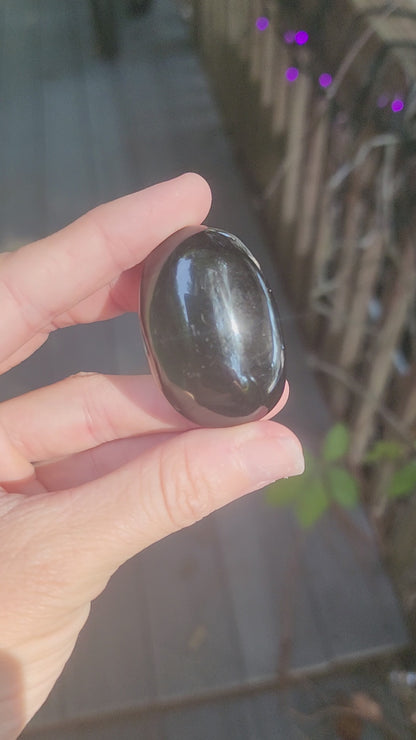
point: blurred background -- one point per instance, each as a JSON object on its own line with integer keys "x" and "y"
{"x": 291, "y": 613}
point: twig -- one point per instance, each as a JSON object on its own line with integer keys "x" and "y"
{"x": 335, "y": 711}
{"x": 383, "y": 140}
{"x": 288, "y": 608}
{"x": 353, "y": 53}
{"x": 343, "y": 377}
{"x": 330, "y": 94}
{"x": 352, "y": 529}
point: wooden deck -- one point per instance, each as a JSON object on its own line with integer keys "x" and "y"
{"x": 185, "y": 641}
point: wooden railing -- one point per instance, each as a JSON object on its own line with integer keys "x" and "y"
{"x": 326, "y": 126}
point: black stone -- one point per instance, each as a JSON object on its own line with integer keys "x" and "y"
{"x": 211, "y": 328}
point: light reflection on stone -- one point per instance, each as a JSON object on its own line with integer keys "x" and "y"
{"x": 211, "y": 328}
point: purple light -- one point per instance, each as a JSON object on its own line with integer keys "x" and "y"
{"x": 292, "y": 73}
{"x": 301, "y": 37}
{"x": 397, "y": 105}
{"x": 325, "y": 79}
{"x": 382, "y": 101}
{"x": 289, "y": 36}
{"x": 262, "y": 23}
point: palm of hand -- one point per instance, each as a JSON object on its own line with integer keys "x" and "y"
{"x": 95, "y": 468}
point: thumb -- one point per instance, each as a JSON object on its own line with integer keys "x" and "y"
{"x": 171, "y": 486}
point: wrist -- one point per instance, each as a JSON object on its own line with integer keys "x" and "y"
{"x": 28, "y": 672}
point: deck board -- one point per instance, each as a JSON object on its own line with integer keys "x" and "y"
{"x": 192, "y": 628}
{"x": 70, "y": 181}
{"x": 22, "y": 192}
{"x": 204, "y": 611}
{"x": 257, "y": 544}
{"x": 360, "y": 588}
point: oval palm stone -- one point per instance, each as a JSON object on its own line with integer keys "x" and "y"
{"x": 211, "y": 328}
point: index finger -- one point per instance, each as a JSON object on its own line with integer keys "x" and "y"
{"x": 44, "y": 279}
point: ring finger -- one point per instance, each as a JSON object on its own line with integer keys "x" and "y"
{"x": 85, "y": 411}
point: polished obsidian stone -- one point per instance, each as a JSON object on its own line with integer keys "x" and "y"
{"x": 211, "y": 328}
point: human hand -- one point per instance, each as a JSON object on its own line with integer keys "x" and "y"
{"x": 95, "y": 468}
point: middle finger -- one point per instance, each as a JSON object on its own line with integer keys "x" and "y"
{"x": 84, "y": 411}
{"x": 87, "y": 410}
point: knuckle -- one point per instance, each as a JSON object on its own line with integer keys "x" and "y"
{"x": 121, "y": 252}
{"x": 97, "y": 420}
{"x": 33, "y": 316}
{"x": 187, "y": 492}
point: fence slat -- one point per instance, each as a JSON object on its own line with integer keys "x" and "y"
{"x": 384, "y": 345}
{"x": 299, "y": 104}
{"x": 256, "y": 42}
{"x": 281, "y": 63}
{"x": 354, "y": 333}
{"x": 312, "y": 186}
{"x": 267, "y": 70}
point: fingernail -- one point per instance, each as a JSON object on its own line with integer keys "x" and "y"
{"x": 272, "y": 458}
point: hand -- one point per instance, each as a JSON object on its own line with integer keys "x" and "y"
{"x": 95, "y": 468}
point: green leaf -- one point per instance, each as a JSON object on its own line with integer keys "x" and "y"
{"x": 336, "y": 443}
{"x": 283, "y": 492}
{"x": 384, "y": 450}
{"x": 343, "y": 487}
{"x": 311, "y": 503}
{"x": 404, "y": 480}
